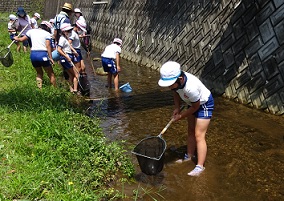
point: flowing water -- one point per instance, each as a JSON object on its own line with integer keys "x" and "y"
{"x": 245, "y": 159}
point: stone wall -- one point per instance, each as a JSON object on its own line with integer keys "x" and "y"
{"x": 234, "y": 46}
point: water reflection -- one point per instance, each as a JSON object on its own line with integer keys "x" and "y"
{"x": 245, "y": 158}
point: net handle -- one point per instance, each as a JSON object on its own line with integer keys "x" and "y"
{"x": 18, "y": 35}
{"x": 168, "y": 125}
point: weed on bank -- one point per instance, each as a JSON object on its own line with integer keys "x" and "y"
{"x": 50, "y": 150}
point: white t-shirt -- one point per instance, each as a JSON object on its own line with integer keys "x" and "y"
{"x": 34, "y": 23}
{"x": 75, "y": 40}
{"x": 193, "y": 90}
{"x": 64, "y": 44}
{"x": 81, "y": 18}
{"x": 111, "y": 51}
{"x": 11, "y": 26}
{"x": 38, "y": 38}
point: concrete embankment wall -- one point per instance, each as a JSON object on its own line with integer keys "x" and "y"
{"x": 234, "y": 46}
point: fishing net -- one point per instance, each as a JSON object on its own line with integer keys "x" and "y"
{"x": 6, "y": 57}
{"x": 150, "y": 154}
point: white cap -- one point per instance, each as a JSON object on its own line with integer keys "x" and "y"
{"x": 170, "y": 71}
{"x": 66, "y": 27}
{"x": 47, "y": 24}
{"x": 82, "y": 25}
{"x": 117, "y": 40}
{"x": 77, "y": 10}
{"x": 12, "y": 17}
{"x": 37, "y": 15}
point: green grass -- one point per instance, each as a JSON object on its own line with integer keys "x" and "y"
{"x": 50, "y": 150}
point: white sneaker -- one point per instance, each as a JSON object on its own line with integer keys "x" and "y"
{"x": 184, "y": 159}
{"x": 196, "y": 171}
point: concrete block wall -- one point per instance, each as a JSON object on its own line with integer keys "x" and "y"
{"x": 234, "y": 46}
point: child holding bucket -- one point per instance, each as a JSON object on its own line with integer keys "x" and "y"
{"x": 188, "y": 88}
{"x": 111, "y": 62}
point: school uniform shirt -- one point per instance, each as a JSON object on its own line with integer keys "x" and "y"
{"x": 64, "y": 44}
{"x": 111, "y": 51}
{"x": 34, "y": 23}
{"x": 81, "y": 18}
{"x": 22, "y": 22}
{"x": 11, "y": 26}
{"x": 38, "y": 38}
{"x": 75, "y": 40}
{"x": 193, "y": 90}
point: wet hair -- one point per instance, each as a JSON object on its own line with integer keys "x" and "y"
{"x": 44, "y": 27}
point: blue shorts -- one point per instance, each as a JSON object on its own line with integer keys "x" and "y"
{"x": 66, "y": 65}
{"x": 205, "y": 110}
{"x": 109, "y": 65}
{"x": 12, "y": 37}
{"x": 79, "y": 57}
{"x": 39, "y": 59}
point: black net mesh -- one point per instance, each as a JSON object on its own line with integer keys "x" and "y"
{"x": 150, "y": 155}
{"x": 6, "y": 57}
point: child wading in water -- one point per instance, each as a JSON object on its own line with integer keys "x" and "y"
{"x": 111, "y": 62}
{"x": 188, "y": 88}
{"x": 67, "y": 53}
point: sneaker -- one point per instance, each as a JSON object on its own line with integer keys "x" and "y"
{"x": 184, "y": 159}
{"x": 196, "y": 171}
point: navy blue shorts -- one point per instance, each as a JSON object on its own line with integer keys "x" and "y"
{"x": 79, "y": 57}
{"x": 39, "y": 59}
{"x": 205, "y": 110}
{"x": 66, "y": 65}
{"x": 109, "y": 65}
{"x": 12, "y": 37}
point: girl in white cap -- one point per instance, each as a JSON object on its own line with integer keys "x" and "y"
{"x": 41, "y": 52}
{"x": 78, "y": 14}
{"x": 111, "y": 62}
{"x": 188, "y": 88}
{"x": 74, "y": 40}
{"x": 67, "y": 53}
{"x": 34, "y": 20}
{"x": 12, "y": 30}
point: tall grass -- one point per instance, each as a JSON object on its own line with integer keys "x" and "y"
{"x": 49, "y": 150}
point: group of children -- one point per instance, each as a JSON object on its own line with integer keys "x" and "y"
{"x": 42, "y": 42}
{"x": 59, "y": 35}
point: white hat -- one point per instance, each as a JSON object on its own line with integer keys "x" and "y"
{"x": 117, "y": 40}
{"x": 37, "y": 15}
{"x": 170, "y": 71}
{"x": 12, "y": 17}
{"x": 82, "y": 25}
{"x": 77, "y": 10}
{"x": 47, "y": 24}
{"x": 66, "y": 27}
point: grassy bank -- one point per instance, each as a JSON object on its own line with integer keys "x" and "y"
{"x": 50, "y": 150}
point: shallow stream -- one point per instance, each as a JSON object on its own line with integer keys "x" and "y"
{"x": 245, "y": 159}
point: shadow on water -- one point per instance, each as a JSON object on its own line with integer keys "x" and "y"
{"x": 245, "y": 159}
